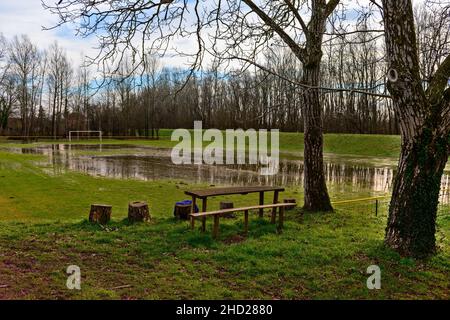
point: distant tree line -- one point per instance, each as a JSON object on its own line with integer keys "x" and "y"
{"x": 43, "y": 94}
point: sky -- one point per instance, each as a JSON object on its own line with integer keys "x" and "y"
{"x": 28, "y": 17}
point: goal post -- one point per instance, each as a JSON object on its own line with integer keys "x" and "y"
{"x": 77, "y": 134}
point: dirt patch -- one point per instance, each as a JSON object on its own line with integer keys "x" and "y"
{"x": 237, "y": 238}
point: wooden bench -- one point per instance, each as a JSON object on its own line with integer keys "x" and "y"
{"x": 214, "y": 192}
{"x": 217, "y": 214}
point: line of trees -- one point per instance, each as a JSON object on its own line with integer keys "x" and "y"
{"x": 42, "y": 93}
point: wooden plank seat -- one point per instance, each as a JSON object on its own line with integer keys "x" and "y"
{"x": 218, "y": 213}
{"x": 214, "y": 192}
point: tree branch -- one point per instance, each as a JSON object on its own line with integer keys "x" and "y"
{"x": 297, "y": 16}
{"x": 296, "y": 49}
{"x": 439, "y": 82}
{"x": 365, "y": 91}
{"x": 331, "y": 5}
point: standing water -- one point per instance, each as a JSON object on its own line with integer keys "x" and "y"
{"x": 345, "y": 175}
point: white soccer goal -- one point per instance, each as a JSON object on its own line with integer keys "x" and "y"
{"x": 84, "y": 134}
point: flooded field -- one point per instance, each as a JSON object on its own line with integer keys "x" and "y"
{"x": 345, "y": 175}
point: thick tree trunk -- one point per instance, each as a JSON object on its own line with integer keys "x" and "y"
{"x": 424, "y": 126}
{"x": 412, "y": 213}
{"x": 316, "y": 193}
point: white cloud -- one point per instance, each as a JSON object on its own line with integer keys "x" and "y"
{"x": 28, "y": 17}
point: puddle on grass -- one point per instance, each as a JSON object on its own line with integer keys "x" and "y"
{"x": 345, "y": 175}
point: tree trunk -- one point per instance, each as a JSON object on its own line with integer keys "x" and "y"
{"x": 54, "y": 114}
{"x": 316, "y": 193}
{"x": 424, "y": 125}
{"x": 412, "y": 213}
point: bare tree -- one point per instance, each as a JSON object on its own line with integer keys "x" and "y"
{"x": 269, "y": 93}
{"x": 24, "y": 58}
{"x": 59, "y": 81}
{"x": 433, "y": 33}
{"x": 7, "y": 86}
{"x": 149, "y": 81}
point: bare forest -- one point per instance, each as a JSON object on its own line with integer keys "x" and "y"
{"x": 43, "y": 93}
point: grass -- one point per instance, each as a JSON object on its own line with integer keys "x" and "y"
{"x": 43, "y": 230}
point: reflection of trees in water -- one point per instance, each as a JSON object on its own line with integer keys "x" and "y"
{"x": 445, "y": 189}
{"x": 342, "y": 177}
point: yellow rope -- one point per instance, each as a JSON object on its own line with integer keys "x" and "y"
{"x": 359, "y": 200}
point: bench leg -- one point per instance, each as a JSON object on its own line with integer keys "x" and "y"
{"x": 194, "y": 199}
{"x": 261, "y": 203}
{"x": 216, "y": 226}
{"x": 203, "y": 224}
{"x": 281, "y": 220}
{"x": 274, "y": 210}
{"x": 192, "y": 223}
{"x": 204, "y": 218}
{"x": 246, "y": 221}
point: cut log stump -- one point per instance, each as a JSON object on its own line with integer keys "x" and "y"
{"x": 182, "y": 211}
{"x": 138, "y": 212}
{"x": 100, "y": 213}
{"x": 227, "y": 205}
{"x": 291, "y": 200}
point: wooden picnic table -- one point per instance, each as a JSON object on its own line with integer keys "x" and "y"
{"x": 212, "y": 192}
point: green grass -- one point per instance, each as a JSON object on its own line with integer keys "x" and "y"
{"x": 43, "y": 230}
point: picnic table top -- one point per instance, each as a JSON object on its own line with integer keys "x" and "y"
{"x": 204, "y": 193}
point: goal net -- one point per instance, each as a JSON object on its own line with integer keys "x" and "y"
{"x": 84, "y": 135}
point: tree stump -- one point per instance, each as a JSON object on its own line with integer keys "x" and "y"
{"x": 138, "y": 212}
{"x": 290, "y": 200}
{"x": 227, "y": 205}
{"x": 182, "y": 211}
{"x": 100, "y": 213}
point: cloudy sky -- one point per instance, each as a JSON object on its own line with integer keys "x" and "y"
{"x": 28, "y": 17}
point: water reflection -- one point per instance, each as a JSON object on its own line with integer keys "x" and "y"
{"x": 343, "y": 176}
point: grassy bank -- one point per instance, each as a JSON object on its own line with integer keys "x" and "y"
{"x": 43, "y": 230}
{"x": 339, "y": 144}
